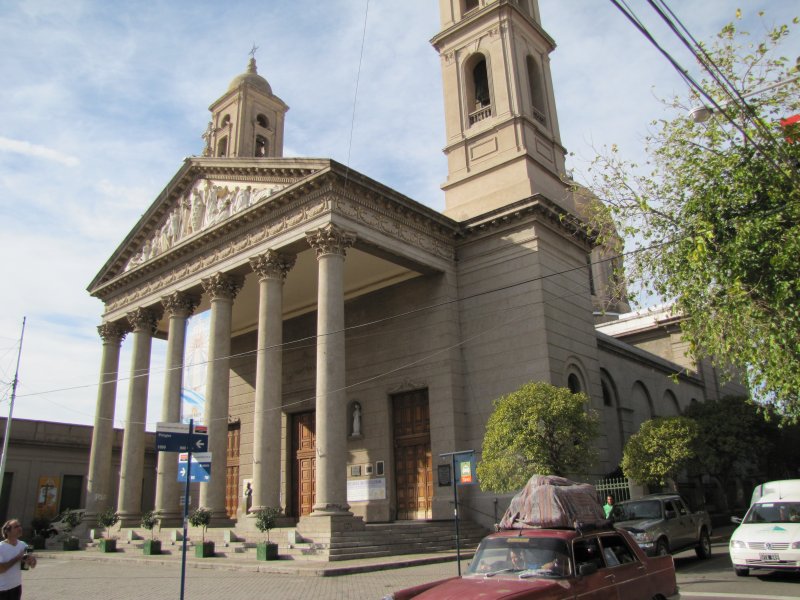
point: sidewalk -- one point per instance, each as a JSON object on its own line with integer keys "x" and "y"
{"x": 227, "y": 560}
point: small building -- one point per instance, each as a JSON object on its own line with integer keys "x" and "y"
{"x": 47, "y": 465}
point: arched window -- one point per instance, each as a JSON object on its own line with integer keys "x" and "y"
{"x": 222, "y": 147}
{"x": 262, "y": 146}
{"x": 671, "y": 406}
{"x": 262, "y": 121}
{"x": 478, "y": 93}
{"x": 536, "y": 89}
{"x": 573, "y": 383}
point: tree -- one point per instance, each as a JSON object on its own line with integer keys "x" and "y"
{"x": 733, "y": 438}
{"x": 538, "y": 429}
{"x": 660, "y": 450}
{"x": 714, "y": 215}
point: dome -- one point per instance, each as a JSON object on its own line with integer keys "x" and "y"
{"x": 252, "y": 77}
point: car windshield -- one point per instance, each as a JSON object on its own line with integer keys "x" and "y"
{"x": 773, "y": 512}
{"x": 642, "y": 509}
{"x": 522, "y": 557}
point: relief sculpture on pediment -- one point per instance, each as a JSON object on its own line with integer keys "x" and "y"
{"x": 203, "y": 206}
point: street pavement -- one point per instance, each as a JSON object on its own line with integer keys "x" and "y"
{"x": 89, "y": 574}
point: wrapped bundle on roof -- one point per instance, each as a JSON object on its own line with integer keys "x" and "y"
{"x": 550, "y": 501}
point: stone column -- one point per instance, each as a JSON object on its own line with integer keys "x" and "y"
{"x": 98, "y": 484}
{"x": 129, "y": 504}
{"x": 179, "y": 306}
{"x": 222, "y": 289}
{"x": 331, "y": 244}
{"x": 271, "y": 269}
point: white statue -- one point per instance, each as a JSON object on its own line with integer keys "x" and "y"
{"x": 198, "y": 210}
{"x": 356, "y": 419}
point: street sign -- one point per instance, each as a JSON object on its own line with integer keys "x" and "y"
{"x": 198, "y": 471}
{"x": 174, "y": 437}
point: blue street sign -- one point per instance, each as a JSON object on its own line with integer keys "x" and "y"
{"x": 199, "y": 471}
{"x": 174, "y": 437}
{"x": 167, "y": 441}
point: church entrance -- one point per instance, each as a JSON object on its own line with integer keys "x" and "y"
{"x": 304, "y": 463}
{"x": 413, "y": 465}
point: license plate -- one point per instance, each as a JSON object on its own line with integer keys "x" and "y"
{"x": 767, "y": 557}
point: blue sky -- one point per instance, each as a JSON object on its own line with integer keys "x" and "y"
{"x": 101, "y": 101}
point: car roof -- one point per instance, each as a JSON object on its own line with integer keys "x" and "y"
{"x": 660, "y": 496}
{"x": 777, "y": 498}
{"x": 565, "y": 534}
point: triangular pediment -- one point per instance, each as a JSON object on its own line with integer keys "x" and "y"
{"x": 204, "y": 194}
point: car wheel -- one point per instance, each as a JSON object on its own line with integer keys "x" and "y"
{"x": 703, "y": 549}
{"x": 662, "y": 548}
{"x": 742, "y": 572}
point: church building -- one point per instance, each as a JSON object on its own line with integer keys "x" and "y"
{"x": 356, "y": 335}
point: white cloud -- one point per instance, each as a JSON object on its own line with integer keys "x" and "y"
{"x": 27, "y": 149}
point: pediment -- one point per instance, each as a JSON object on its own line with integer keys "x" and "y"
{"x": 203, "y": 194}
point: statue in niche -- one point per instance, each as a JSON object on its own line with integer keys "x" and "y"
{"x": 174, "y": 225}
{"x": 356, "y": 419}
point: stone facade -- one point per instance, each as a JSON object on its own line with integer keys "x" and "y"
{"x": 357, "y": 335}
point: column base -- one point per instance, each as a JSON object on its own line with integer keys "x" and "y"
{"x": 172, "y": 518}
{"x": 315, "y": 526}
{"x": 129, "y": 519}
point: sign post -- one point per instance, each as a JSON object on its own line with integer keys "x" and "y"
{"x": 463, "y": 473}
{"x": 185, "y": 437}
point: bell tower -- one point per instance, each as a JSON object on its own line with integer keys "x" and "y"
{"x": 247, "y": 121}
{"x": 503, "y": 142}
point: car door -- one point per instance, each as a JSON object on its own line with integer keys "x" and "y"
{"x": 627, "y": 573}
{"x": 684, "y": 523}
{"x": 599, "y": 585}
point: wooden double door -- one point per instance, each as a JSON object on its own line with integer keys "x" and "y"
{"x": 413, "y": 463}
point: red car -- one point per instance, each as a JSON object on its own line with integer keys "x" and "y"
{"x": 555, "y": 564}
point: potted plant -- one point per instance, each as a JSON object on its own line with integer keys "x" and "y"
{"x": 107, "y": 519}
{"x": 201, "y": 517}
{"x": 265, "y": 520}
{"x": 149, "y": 521}
{"x": 70, "y": 519}
{"x": 41, "y": 531}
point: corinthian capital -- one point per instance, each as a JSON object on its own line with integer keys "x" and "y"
{"x": 330, "y": 240}
{"x": 144, "y": 320}
{"x": 112, "y": 333}
{"x": 272, "y": 265}
{"x": 222, "y": 285}
{"x": 180, "y": 304}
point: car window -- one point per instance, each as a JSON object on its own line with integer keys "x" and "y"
{"x": 587, "y": 550}
{"x": 640, "y": 509}
{"x": 680, "y": 507}
{"x": 616, "y": 550}
{"x": 546, "y": 556}
{"x": 774, "y": 512}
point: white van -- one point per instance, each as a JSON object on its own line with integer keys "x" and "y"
{"x": 769, "y": 535}
{"x": 784, "y": 487}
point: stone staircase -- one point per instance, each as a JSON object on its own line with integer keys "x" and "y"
{"x": 375, "y": 540}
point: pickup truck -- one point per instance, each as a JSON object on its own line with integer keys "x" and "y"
{"x": 663, "y": 524}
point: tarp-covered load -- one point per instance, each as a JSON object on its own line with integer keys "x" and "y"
{"x": 550, "y": 501}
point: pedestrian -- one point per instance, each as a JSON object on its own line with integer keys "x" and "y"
{"x": 608, "y": 506}
{"x": 13, "y": 557}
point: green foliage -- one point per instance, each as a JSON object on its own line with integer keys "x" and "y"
{"x": 201, "y": 517}
{"x": 149, "y": 521}
{"x": 108, "y": 518}
{"x": 538, "y": 429}
{"x": 266, "y": 519}
{"x": 733, "y": 438}
{"x": 70, "y": 519}
{"x": 715, "y": 217}
{"x": 660, "y": 450}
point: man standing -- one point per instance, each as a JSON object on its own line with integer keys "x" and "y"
{"x": 608, "y": 506}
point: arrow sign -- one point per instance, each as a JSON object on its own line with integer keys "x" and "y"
{"x": 174, "y": 437}
{"x": 199, "y": 470}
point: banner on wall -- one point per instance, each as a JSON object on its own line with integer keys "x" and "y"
{"x": 47, "y": 497}
{"x": 195, "y": 367}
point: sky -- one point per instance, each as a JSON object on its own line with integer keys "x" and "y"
{"x": 101, "y": 101}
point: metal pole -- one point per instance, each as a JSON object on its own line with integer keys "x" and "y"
{"x": 186, "y": 507}
{"x": 11, "y": 409}
{"x": 455, "y": 498}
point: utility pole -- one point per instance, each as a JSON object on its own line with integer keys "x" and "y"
{"x": 11, "y": 410}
